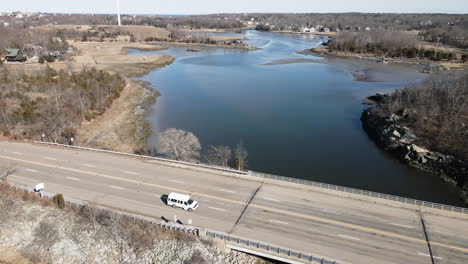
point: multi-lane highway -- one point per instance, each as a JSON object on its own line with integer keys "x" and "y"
{"x": 338, "y": 228}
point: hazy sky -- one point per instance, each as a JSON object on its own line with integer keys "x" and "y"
{"x": 235, "y": 6}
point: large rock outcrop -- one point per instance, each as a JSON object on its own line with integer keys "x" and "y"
{"x": 387, "y": 132}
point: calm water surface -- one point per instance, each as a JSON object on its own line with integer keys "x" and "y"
{"x": 296, "y": 119}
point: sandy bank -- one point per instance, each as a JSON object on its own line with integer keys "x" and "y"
{"x": 122, "y": 127}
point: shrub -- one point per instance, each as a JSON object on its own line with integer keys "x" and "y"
{"x": 196, "y": 258}
{"x": 49, "y": 58}
{"x": 59, "y": 201}
{"x": 41, "y": 60}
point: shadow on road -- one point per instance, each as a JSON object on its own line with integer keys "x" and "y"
{"x": 164, "y": 198}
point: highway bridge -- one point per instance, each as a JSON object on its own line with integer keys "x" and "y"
{"x": 346, "y": 228}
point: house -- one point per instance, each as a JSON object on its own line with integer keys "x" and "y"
{"x": 14, "y": 55}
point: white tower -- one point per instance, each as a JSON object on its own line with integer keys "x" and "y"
{"x": 118, "y": 12}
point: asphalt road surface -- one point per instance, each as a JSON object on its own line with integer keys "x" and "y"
{"x": 338, "y": 228}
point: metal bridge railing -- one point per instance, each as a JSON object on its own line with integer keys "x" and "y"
{"x": 146, "y": 157}
{"x": 390, "y": 197}
{"x": 267, "y": 247}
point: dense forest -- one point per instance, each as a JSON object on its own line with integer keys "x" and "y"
{"x": 437, "y": 111}
{"x": 53, "y": 103}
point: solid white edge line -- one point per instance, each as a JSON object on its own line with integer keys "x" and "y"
{"x": 31, "y": 170}
{"x": 353, "y": 238}
{"x": 228, "y": 191}
{"x": 17, "y": 153}
{"x": 279, "y": 222}
{"x": 47, "y": 158}
{"x": 401, "y": 225}
{"x": 117, "y": 187}
{"x": 89, "y": 165}
{"x": 132, "y": 173}
{"x": 73, "y": 178}
{"x": 215, "y": 208}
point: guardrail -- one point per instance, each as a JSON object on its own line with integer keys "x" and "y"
{"x": 194, "y": 230}
{"x": 145, "y": 157}
{"x": 390, "y": 197}
{"x": 267, "y": 247}
{"x": 181, "y": 228}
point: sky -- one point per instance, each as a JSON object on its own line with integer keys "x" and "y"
{"x": 236, "y": 6}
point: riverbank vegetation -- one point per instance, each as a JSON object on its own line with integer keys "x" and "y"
{"x": 437, "y": 111}
{"x": 54, "y": 103}
{"x": 392, "y": 44}
{"x": 182, "y": 145}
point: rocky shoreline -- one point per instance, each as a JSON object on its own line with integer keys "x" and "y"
{"x": 400, "y": 140}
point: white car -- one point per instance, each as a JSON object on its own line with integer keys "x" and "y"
{"x": 181, "y": 200}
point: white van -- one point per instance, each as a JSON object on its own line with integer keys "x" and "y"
{"x": 182, "y": 201}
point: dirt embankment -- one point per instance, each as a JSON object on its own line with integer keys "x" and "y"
{"x": 122, "y": 127}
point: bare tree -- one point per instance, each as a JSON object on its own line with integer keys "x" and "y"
{"x": 46, "y": 235}
{"x": 240, "y": 156}
{"x": 219, "y": 155}
{"x": 180, "y": 144}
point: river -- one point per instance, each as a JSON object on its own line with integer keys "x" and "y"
{"x": 297, "y": 117}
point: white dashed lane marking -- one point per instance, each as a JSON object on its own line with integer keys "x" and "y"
{"x": 278, "y": 222}
{"x": 215, "y": 208}
{"x": 176, "y": 181}
{"x": 401, "y": 225}
{"x": 330, "y": 211}
{"x": 270, "y": 199}
{"x": 427, "y": 255}
{"x": 228, "y": 191}
{"x": 348, "y": 237}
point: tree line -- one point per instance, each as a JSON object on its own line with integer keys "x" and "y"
{"x": 54, "y": 103}
{"x": 182, "y": 145}
{"x": 437, "y": 111}
{"x": 393, "y": 44}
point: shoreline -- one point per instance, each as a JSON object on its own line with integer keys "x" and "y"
{"x": 399, "y": 140}
{"x": 122, "y": 127}
{"x": 202, "y": 45}
{"x": 322, "y": 51}
{"x": 364, "y": 70}
{"x": 329, "y": 34}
